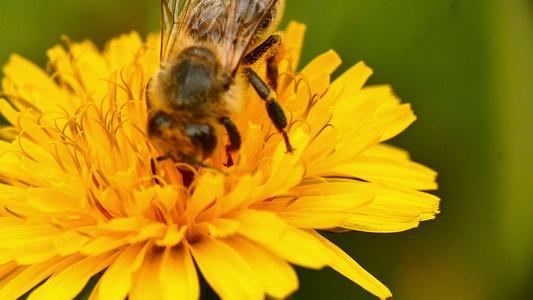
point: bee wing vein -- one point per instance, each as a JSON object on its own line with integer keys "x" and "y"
{"x": 230, "y": 23}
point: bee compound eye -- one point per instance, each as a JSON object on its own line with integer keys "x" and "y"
{"x": 204, "y": 136}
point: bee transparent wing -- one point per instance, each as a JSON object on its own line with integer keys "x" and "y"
{"x": 171, "y": 12}
{"x": 243, "y": 22}
{"x": 230, "y": 23}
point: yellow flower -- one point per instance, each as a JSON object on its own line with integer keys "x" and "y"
{"x": 78, "y": 194}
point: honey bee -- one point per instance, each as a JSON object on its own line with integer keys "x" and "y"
{"x": 207, "y": 49}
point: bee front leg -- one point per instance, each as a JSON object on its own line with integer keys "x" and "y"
{"x": 273, "y": 108}
{"x": 234, "y": 139}
{"x": 147, "y": 95}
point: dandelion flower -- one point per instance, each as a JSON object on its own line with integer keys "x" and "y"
{"x": 78, "y": 193}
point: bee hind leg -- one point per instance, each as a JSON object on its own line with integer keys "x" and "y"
{"x": 270, "y": 46}
{"x": 272, "y": 73}
{"x": 234, "y": 139}
{"x": 274, "y": 110}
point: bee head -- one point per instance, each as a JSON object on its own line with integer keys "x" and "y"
{"x": 181, "y": 141}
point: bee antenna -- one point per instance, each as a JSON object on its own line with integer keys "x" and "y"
{"x": 199, "y": 163}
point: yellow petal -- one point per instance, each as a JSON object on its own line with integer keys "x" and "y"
{"x": 324, "y": 196}
{"x": 32, "y": 82}
{"x": 8, "y": 271}
{"x": 8, "y": 133}
{"x": 69, "y": 282}
{"x": 124, "y": 224}
{"x": 90, "y": 68}
{"x": 353, "y": 119}
{"x": 219, "y": 227}
{"x": 388, "y": 165}
{"x": 294, "y": 37}
{"x": 173, "y": 236}
{"x": 351, "y": 83}
{"x": 239, "y": 197}
{"x": 7, "y": 256}
{"x": 11, "y": 195}
{"x": 353, "y": 136}
{"x": 8, "y": 112}
{"x": 123, "y": 50}
{"x": 321, "y": 146}
{"x": 95, "y": 293}
{"x": 251, "y": 148}
{"x": 155, "y": 230}
{"x": 49, "y": 200}
{"x": 321, "y": 204}
{"x": 33, "y": 242}
{"x": 315, "y": 220}
{"x": 210, "y": 186}
{"x": 392, "y": 117}
{"x": 168, "y": 196}
{"x": 179, "y": 279}
{"x": 279, "y": 180}
{"x": 292, "y": 244}
{"x": 15, "y": 235}
{"x": 278, "y": 278}
{"x": 100, "y": 245}
{"x": 318, "y": 118}
{"x": 31, "y": 172}
{"x": 319, "y": 83}
{"x": 345, "y": 265}
{"x": 35, "y": 254}
{"x": 146, "y": 280}
{"x": 225, "y": 270}
{"x": 30, "y": 276}
{"x": 392, "y": 210}
{"x": 116, "y": 281}
{"x": 70, "y": 242}
{"x": 324, "y": 63}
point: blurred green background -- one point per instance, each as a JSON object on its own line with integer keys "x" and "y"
{"x": 467, "y": 68}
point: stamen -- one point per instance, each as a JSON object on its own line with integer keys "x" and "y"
{"x": 99, "y": 206}
{"x": 19, "y": 138}
{"x": 20, "y": 101}
{"x": 125, "y": 88}
{"x": 304, "y": 122}
{"x": 128, "y": 90}
{"x": 55, "y": 155}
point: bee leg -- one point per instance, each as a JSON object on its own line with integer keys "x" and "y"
{"x": 273, "y": 108}
{"x": 234, "y": 139}
{"x": 259, "y": 51}
{"x": 164, "y": 157}
{"x": 146, "y": 96}
{"x": 272, "y": 73}
{"x": 154, "y": 170}
{"x": 272, "y": 43}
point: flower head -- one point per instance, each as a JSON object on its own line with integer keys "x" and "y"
{"x": 80, "y": 192}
